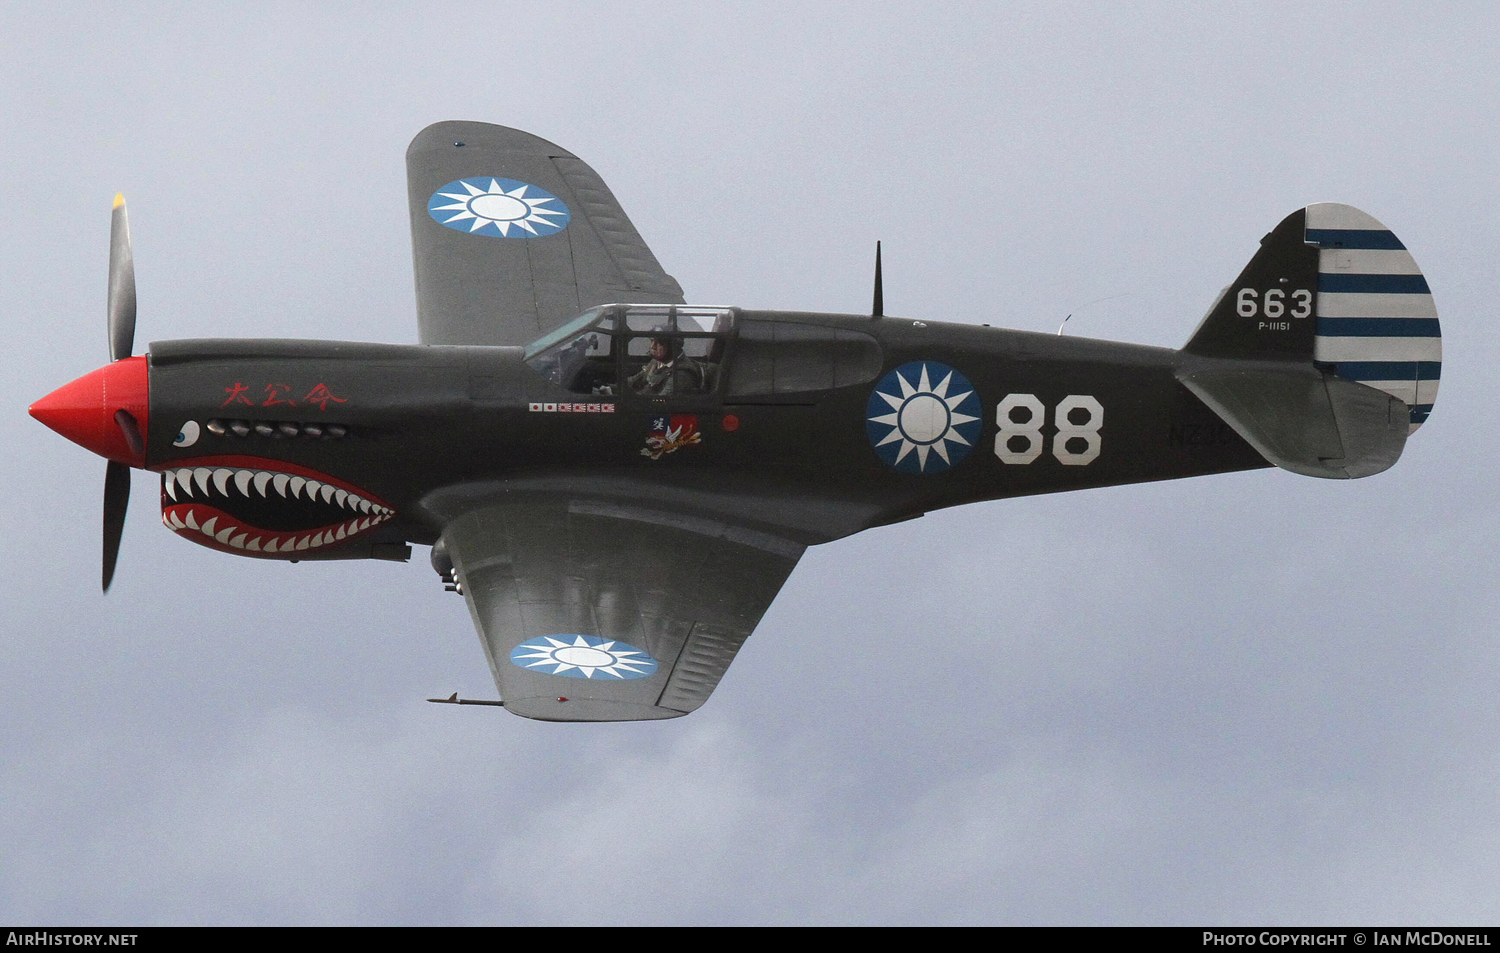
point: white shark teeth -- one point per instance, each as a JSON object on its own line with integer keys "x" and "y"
{"x": 189, "y": 483}
{"x": 236, "y": 537}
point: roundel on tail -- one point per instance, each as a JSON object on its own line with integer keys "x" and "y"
{"x": 1376, "y": 323}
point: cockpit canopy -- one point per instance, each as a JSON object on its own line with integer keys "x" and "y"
{"x": 667, "y": 350}
{"x": 657, "y": 350}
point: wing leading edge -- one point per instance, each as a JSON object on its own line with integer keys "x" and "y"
{"x": 594, "y": 611}
{"x": 512, "y": 235}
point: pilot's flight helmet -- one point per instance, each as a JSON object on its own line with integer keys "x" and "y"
{"x": 665, "y": 337}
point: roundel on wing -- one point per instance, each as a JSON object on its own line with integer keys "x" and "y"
{"x": 582, "y": 656}
{"x": 501, "y": 208}
{"x": 923, "y": 417}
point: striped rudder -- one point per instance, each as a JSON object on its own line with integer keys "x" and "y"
{"x": 1376, "y": 323}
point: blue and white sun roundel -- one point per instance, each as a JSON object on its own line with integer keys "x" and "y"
{"x": 497, "y": 207}
{"x": 582, "y": 656}
{"x": 923, "y": 417}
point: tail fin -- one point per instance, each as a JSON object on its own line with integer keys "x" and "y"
{"x": 1268, "y": 312}
{"x": 1325, "y": 352}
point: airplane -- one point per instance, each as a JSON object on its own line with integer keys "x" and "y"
{"x": 618, "y": 483}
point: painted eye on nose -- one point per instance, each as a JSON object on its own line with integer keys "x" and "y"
{"x": 188, "y": 435}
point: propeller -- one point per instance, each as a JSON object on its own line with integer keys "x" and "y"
{"x": 116, "y": 498}
{"x": 121, "y": 317}
{"x": 121, "y": 283}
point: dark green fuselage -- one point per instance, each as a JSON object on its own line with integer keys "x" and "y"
{"x": 433, "y": 430}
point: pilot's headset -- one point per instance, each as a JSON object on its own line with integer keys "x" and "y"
{"x": 671, "y": 340}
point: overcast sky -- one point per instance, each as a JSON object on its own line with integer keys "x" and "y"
{"x": 1254, "y": 698}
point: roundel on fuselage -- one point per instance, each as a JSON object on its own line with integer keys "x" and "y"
{"x": 923, "y": 417}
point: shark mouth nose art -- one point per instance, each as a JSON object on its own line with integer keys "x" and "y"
{"x": 250, "y": 506}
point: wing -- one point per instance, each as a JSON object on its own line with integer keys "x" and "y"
{"x": 512, "y": 236}
{"x": 602, "y": 612}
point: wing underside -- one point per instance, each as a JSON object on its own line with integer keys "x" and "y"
{"x": 512, "y": 236}
{"x": 593, "y": 611}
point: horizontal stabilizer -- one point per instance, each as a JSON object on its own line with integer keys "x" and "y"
{"x": 1305, "y": 420}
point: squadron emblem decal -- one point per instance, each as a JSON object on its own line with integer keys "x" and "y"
{"x": 669, "y": 434}
{"x": 582, "y": 656}
{"x": 923, "y": 417}
{"x": 497, "y": 207}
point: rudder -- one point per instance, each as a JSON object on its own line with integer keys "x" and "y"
{"x": 1377, "y": 323}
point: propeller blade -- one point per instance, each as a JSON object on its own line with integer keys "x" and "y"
{"x": 131, "y": 430}
{"x": 121, "y": 341}
{"x": 121, "y": 284}
{"x": 116, "y": 498}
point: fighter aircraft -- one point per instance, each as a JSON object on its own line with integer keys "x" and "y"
{"x": 619, "y": 483}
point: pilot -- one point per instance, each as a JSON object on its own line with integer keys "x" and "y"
{"x": 669, "y": 371}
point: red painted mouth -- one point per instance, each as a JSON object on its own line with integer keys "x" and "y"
{"x": 251, "y": 506}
